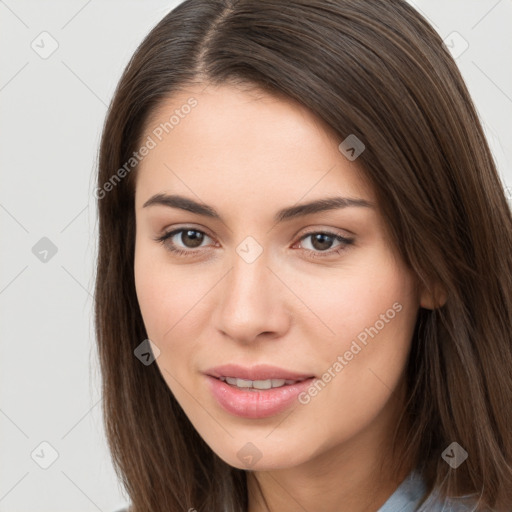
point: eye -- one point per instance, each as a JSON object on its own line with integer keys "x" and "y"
{"x": 321, "y": 242}
{"x": 192, "y": 239}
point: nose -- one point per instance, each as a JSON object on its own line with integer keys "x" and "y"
{"x": 253, "y": 302}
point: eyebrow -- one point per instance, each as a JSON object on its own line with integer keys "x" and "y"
{"x": 291, "y": 212}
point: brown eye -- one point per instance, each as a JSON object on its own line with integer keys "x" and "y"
{"x": 322, "y": 242}
{"x": 191, "y": 238}
{"x": 183, "y": 241}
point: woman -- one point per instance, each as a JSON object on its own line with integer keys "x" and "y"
{"x": 336, "y": 334}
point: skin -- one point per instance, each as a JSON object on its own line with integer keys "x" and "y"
{"x": 248, "y": 154}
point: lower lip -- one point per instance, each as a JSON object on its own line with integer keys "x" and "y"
{"x": 260, "y": 403}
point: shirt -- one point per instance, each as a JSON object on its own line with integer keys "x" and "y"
{"x": 408, "y": 495}
{"x": 413, "y": 489}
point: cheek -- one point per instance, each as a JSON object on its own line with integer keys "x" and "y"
{"x": 377, "y": 292}
{"x": 155, "y": 289}
{"x": 148, "y": 288}
{"x": 171, "y": 298}
{"x": 167, "y": 318}
{"x": 373, "y": 314}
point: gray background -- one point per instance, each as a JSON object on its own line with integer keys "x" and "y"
{"x": 52, "y": 110}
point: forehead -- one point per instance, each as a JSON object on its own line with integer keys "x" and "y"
{"x": 225, "y": 141}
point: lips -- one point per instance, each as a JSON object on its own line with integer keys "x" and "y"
{"x": 256, "y": 373}
{"x": 255, "y": 392}
{"x": 255, "y": 403}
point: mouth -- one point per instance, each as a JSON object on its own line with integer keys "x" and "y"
{"x": 256, "y": 399}
{"x": 258, "y": 391}
{"x": 255, "y": 385}
{"x": 260, "y": 376}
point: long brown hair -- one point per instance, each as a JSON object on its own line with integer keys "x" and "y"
{"x": 378, "y": 70}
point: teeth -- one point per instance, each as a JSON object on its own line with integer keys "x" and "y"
{"x": 257, "y": 384}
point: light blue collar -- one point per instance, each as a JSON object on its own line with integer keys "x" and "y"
{"x": 408, "y": 495}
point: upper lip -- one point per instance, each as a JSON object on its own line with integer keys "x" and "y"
{"x": 257, "y": 372}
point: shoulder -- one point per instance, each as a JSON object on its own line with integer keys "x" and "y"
{"x": 411, "y": 496}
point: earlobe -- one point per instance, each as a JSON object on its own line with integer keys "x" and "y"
{"x": 434, "y": 298}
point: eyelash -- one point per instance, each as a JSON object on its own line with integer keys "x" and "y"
{"x": 165, "y": 240}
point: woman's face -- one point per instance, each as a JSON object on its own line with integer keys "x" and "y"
{"x": 318, "y": 294}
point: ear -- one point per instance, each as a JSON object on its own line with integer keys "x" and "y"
{"x": 433, "y": 298}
